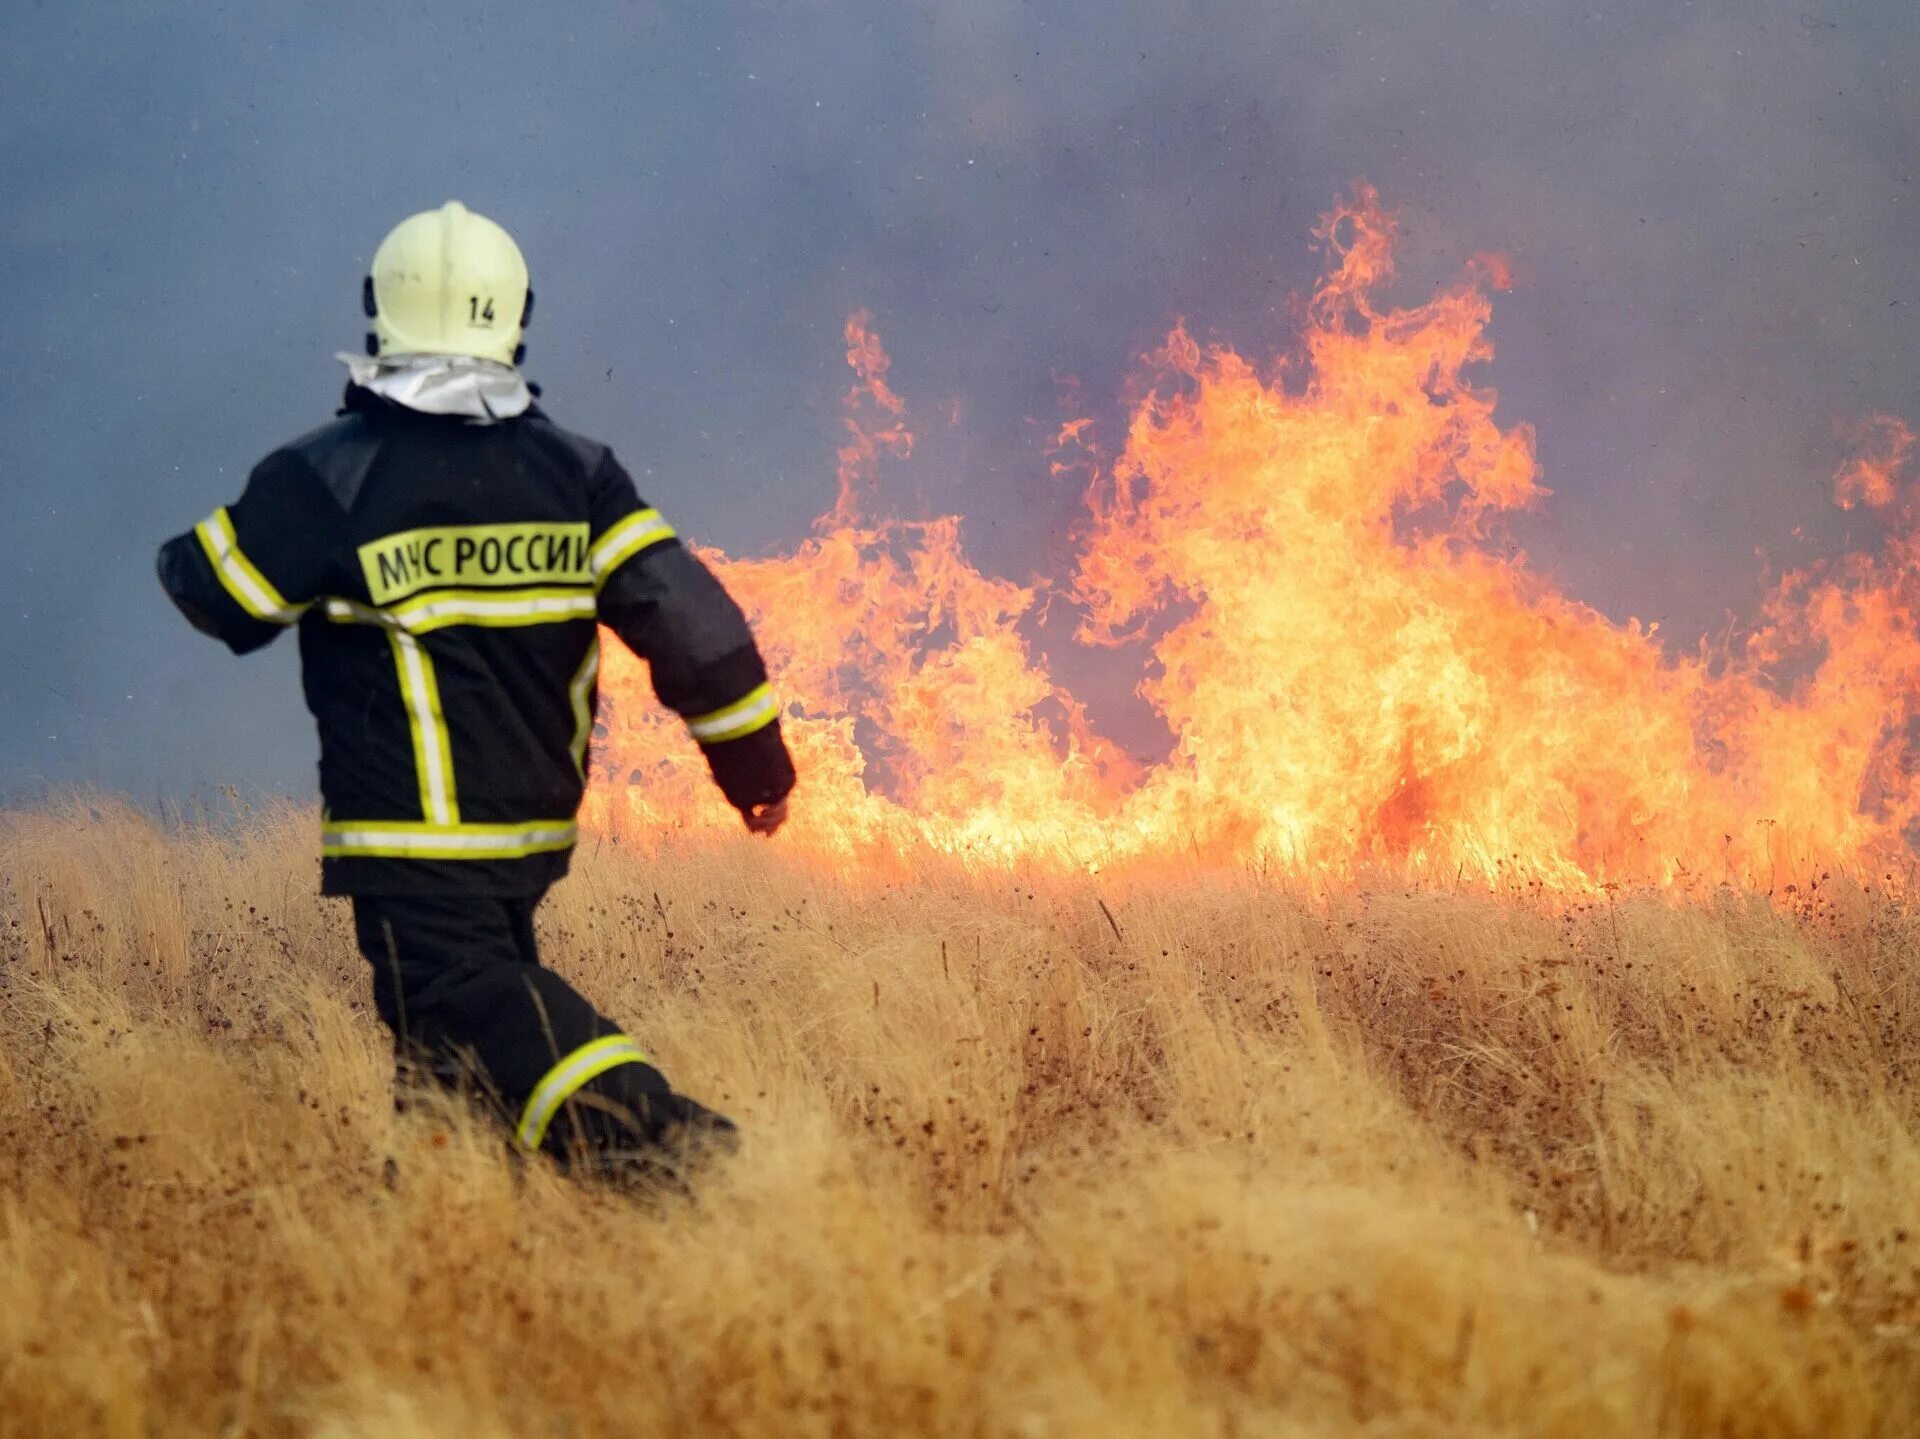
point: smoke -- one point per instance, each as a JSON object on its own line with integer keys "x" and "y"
{"x": 1708, "y": 208}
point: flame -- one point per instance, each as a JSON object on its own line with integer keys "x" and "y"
{"x": 1882, "y": 446}
{"x": 868, "y": 436}
{"x": 1351, "y": 669}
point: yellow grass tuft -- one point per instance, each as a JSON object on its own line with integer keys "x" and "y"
{"x": 1246, "y": 1158}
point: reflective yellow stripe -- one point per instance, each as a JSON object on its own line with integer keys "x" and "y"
{"x": 738, "y": 719}
{"x": 494, "y": 610}
{"x": 581, "y": 693}
{"x": 410, "y": 839}
{"x": 564, "y": 1080}
{"x": 432, "y": 756}
{"x": 237, "y": 575}
{"x": 635, "y": 533}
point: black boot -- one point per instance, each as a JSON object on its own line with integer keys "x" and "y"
{"x": 678, "y": 1139}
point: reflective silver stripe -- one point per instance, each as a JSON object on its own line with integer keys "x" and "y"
{"x": 625, "y": 540}
{"x": 353, "y": 612}
{"x": 564, "y": 1080}
{"x": 237, "y": 574}
{"x": 404, "y": 839}
{"x": 738, "y": 719}
{"x": 432, "y": 614}
{"x": 581, "y": 693}
{"x": 432, "y": 754}
{"x": 435, "y": 612}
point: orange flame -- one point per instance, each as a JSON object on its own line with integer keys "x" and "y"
{"x": 1882, "y": 445}
{"x": 1349, "y": 671}
{"x": 867, "y": 437}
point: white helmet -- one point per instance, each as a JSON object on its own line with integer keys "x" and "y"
{"x": 448, "y": 282}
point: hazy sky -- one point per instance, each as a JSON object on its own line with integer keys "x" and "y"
{"x": 1711, "y": 206}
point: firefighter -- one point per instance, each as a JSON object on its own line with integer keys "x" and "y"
{"x": 448, "y": 554}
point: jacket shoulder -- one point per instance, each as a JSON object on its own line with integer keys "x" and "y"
{"x": 340, "y": 452}
{"x": 588, "y": 454}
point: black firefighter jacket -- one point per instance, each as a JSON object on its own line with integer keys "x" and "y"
{"x": 447, "y": 578}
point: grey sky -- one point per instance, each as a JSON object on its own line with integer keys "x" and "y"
{"x": 1711, "y": 207}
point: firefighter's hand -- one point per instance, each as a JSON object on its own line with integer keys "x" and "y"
{"x": 767, "y": 818}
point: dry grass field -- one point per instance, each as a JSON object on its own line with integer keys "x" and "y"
{"x": 1157, "y": 1155}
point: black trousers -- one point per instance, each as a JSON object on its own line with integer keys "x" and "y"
{"x": 458, "y": 980}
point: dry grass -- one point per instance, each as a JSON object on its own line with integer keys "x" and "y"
{"x": 1249, "y": 1160}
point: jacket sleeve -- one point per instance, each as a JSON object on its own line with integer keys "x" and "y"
{"x": 671, "y": 611}
{"x": 250, "y": 569}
